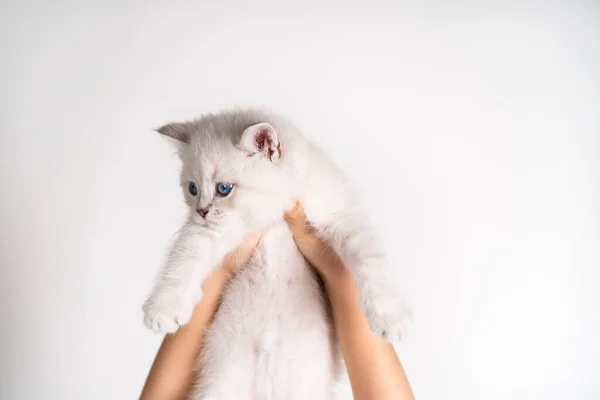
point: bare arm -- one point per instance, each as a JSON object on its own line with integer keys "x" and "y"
{"x": 373, "y": 366}
{"x": 173, "y": 369}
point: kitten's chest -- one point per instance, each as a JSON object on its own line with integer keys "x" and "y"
{"x": 271, "y": 335}
{"x": 277, "y": 255}
{"x": 277, "y": 281}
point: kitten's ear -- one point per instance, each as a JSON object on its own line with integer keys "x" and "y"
{"x": 177, "y": 131}
{"x": 262, "y": 139}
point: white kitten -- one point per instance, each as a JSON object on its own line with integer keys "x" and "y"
{"x": 271, "y": 337}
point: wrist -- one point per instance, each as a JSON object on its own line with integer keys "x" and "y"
{"x": 332, "y": 269}
{"x": 339, "y": 283}
{"x": 341, "y": 288}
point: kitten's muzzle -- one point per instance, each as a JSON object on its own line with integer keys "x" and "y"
{"x": 203, "y": 211}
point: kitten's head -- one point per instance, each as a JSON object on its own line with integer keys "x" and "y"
{"x": 234, "y": 168}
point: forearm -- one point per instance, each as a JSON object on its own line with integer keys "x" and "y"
{"x": 373, "y": 367}
{"x": 174, "y": 365}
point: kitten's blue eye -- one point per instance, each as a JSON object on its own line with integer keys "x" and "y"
{"x": 193, "y": 189}
{"x": 224, "y": 188}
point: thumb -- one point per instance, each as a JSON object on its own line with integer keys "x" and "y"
{"x": 295, "y": 218}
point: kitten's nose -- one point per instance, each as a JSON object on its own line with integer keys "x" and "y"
{"x": 202, "y": 211}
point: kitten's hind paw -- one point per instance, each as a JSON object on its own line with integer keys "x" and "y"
{"x": 166, "y": 311}
{"x": 388, "y": 317}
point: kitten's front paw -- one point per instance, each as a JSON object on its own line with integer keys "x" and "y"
{"x": 387, "y": 315}
{"x": 166, "y": 311}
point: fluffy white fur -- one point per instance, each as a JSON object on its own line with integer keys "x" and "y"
{"x": 272, "y": 335}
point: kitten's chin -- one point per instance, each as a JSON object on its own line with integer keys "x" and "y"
{"x": 201, "y": 222}
{"x": 216, "y": 226}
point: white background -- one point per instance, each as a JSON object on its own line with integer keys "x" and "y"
{"x": 473, "y": 129}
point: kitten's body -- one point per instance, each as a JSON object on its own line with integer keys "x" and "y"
{"x": 271, "y": 165}
{"x": 272, "y": 337}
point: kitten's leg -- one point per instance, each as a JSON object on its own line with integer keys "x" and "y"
{"x": 194, "y": 255}
{"x": 359, "y": 248}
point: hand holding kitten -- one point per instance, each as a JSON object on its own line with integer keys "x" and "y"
{"x": 318, "y": 253}
{"x": 239, "y": 257}
{"x": 171, "y": 307}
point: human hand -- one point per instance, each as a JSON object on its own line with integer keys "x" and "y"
{"x": 239, "y": 257}
{"x": 174, "y": 368}
{"x": 318, "y": 253}
{"x": 231, "y": 265}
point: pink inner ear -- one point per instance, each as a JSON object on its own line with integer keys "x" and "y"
{"x": 261, "y": 139}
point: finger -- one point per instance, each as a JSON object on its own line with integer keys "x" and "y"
{"x": 253, "y": 240}
{"x": 289, "y": 214}
{"x": 241, "y": 255}
{"x": 250, "y": 242}
{"x": 296, "y": 225}
{"x": 253, "y": 237}
{"x": 295, "y": 215}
